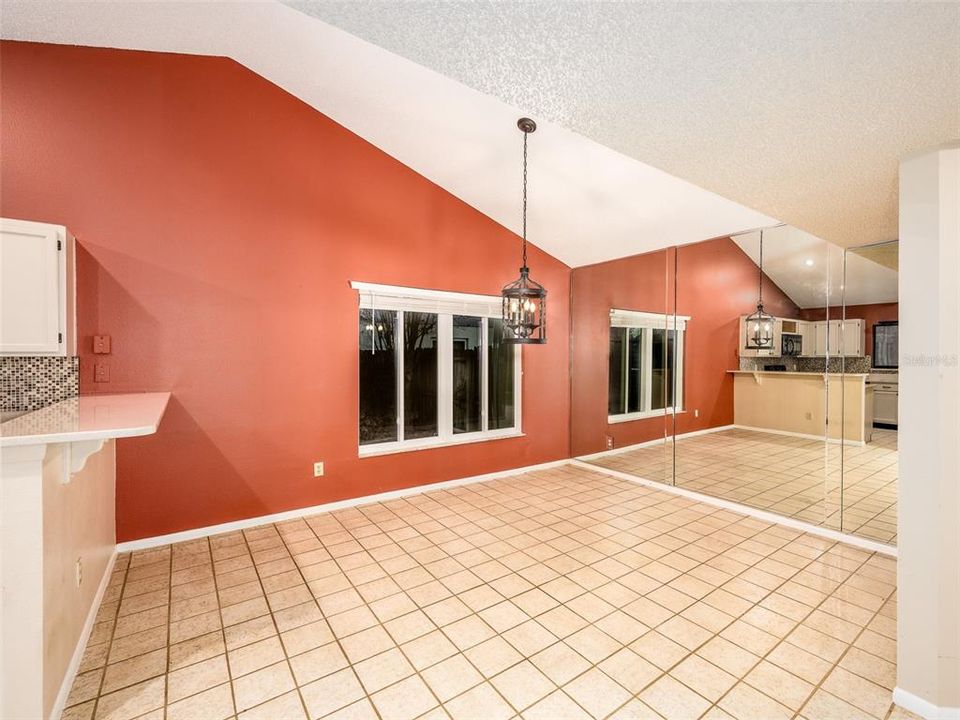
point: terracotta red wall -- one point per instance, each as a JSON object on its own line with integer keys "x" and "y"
{"x": 713, "y": 282}
{"x": 870, "y": 314}
{"x": 220, "y": 221}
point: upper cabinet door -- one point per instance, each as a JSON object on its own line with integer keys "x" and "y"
{"x": 34, "y": 291}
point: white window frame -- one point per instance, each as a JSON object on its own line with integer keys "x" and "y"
{"x": 445, "y": 305}
{"x": 647, "y": 322}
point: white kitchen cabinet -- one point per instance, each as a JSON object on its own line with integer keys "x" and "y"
{"x": 808, "y": 333}
{"x": 838, "y": 337}
{"x": 852, "y": 338}
{"x": 37, "y": 304}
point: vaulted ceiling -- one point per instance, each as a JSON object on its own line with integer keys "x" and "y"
{"x": 660, "y": 123}
{"x": 799, "y": 110}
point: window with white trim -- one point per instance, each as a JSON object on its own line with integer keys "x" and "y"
{"x": 434, "y": 370}
{"x": 646, "y": 365}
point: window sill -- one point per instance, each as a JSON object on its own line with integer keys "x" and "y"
{"x": 432, "y": 444}
{"x": 630, "y": 417}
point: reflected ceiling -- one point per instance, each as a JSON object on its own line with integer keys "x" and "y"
{"x": 810, "y": 270}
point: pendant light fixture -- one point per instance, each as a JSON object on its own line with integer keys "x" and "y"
{"x": 759, "y": 326}
{"x": 524, "y": 300}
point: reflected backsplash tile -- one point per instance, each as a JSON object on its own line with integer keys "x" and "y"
{"x": 809, "y": 364}
{"x": 30, "y": 383}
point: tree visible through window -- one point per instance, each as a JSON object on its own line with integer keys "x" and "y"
{"x": 453, "y": 376}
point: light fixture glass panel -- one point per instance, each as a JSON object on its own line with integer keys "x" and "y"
{"x": 419, "y": 375}
{"x": 378, "y": 376}
{"x": 467, "y": 378}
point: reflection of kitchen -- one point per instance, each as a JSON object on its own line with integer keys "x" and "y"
{"x": 749, "y": 425}
{"x": 781, "y": 387}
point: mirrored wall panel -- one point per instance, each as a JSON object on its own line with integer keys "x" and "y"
{"x": 869, "y": 312}
{"x": 754, "y": 431}
{"x": 625, "y": 356}
{"x": 745, "y": 373}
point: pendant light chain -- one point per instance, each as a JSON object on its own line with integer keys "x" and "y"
{"x": 760, "y": 270}
{"x": 525, "y": 199}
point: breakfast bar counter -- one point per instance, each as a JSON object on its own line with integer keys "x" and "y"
{"x": 805, "y": 404}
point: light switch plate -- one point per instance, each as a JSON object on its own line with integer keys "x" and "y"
{"x": 101, "y": 344}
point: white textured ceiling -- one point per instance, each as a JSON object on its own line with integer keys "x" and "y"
{"x": 798, "y": 109}
{"x": 588, "y": 203}
{"x": 815, "y": 273}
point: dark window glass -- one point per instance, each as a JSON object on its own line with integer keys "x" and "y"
{"x": 664, "y": 362}
{"x": 635, "y": 384}
{"x": 467, "y": 343}
{"x": 378, "y": 377}
{"x": 500, "y": 401}
{"x": 419, "y": 375}
{"x": 616, "y": 400}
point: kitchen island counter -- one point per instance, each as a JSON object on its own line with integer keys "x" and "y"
{"x": 805, "y": 404}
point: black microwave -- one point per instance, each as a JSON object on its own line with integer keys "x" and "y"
{"x": 791, "y": 344}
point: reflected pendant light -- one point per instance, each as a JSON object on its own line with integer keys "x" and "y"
{"x": 759, "y": 326}
{"x": 524, "y": 300}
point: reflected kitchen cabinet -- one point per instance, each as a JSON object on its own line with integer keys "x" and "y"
{"x": 838, "y": 338}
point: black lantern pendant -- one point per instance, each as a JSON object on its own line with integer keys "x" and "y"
{"x": 759, "y": 326}
{"x": 524, "y": 300}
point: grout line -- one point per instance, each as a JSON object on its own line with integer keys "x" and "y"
{"x": 223, "y": 630}
{"x": 651, "y": 499}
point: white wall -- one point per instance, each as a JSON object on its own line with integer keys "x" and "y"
{"x": 928, "y": 622}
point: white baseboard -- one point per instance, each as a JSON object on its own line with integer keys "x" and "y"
{"x": 924, "y": 708}
{"x": 651, "y": 443}
{"x": 209, "y": 530}
{"x": 835, "y": 535}
{"x": 808, "y": 436}
{"x": 71, "y": 672}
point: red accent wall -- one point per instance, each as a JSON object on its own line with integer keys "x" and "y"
{"x": 716, "y": 283}
{"x": 870, "y": 314}
{"x": 220, "y": 221}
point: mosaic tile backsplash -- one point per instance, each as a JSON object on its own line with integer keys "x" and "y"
{"x": 810, "y": 364}
{"x": 30, "y": 383}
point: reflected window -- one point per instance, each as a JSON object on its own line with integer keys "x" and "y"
{"x": 434, "y": 378}
{"x": 645, "y": 366}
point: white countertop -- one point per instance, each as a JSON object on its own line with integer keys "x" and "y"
{"x": 88, "y": 417}
{"x": 794, "y": 372}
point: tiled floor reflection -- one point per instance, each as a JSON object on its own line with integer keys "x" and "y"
{"x": 791, "y": 476}
{"x": 557, "y": 594}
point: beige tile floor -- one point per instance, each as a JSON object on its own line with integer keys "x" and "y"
{"x": 795, "y": 477}
{"x": 564, "y": 593}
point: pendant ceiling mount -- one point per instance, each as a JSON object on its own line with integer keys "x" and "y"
{"x": 525, "y": 300}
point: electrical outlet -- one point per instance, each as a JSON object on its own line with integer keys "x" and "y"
{"x": 101, "y": 372}
{"x": 696, "y": 413}
{"x": 79, "y": 571}
{"x": 809, "y": 416}
{"x": 609, "y": 442}
{"x": 318, "y": 469}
